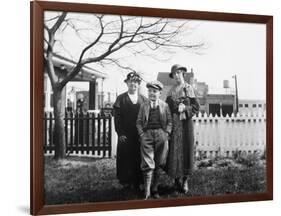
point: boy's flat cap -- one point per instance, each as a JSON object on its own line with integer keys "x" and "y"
{"x": 155, "y": 84}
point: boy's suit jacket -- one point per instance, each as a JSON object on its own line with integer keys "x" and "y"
{"x": 165, "y": 117}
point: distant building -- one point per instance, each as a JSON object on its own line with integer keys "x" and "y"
{"x": 252, "y": 106}
{"x": 105, "y": 98}
{"x": 201, "y": 88}
{"x": 219, "y": 103}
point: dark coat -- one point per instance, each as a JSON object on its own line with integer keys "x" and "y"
{"x": 128, "y": 153}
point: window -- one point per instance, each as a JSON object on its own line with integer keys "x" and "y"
{"x": 240, "y": 105}
{"x": 260, "y": 105}
{"x": 254, "y": 105}
{"x": 246, "y": 105}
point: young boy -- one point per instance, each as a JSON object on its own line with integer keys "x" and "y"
{"x": 154, "y": 124}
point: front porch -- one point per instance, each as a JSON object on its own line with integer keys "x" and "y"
{"x": 90, "y": 78}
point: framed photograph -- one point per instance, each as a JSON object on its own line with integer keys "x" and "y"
{"x": 141, "y": 107}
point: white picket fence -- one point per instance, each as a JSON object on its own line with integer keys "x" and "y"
{"x": 224, "y": 136}
{"x": 229, "y": 135}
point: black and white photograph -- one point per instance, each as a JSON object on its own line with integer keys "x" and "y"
{"x": 152, "y": 108}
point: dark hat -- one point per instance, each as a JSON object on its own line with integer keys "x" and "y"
{"x": 134, "y": 76}
{"x": 176, "y": 67}
{"x": 155, "y": 84}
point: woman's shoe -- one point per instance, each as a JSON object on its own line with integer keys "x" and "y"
{"x": 177, "y": 184}
{"x": 185, "y": 188}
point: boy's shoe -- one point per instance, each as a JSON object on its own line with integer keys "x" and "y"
{"x": 146, "y": 196}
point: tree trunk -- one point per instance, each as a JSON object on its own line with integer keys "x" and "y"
{"x": 59, "y": 133}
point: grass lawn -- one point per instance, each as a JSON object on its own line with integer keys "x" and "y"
{"x": 82, "y": 179}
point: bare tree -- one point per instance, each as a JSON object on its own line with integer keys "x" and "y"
{"x": 102, "y": 38}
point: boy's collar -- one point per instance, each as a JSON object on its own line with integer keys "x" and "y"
{"x": 152, "y": 102}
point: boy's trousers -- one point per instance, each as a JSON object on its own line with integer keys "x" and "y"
{"x": 154, "y": 149}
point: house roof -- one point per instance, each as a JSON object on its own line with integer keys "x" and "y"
{"x": 164, "y": 78}
{"x": 87, "y": 73}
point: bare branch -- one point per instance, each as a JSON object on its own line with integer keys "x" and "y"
{"x": 46, "y": 28}
{"x": 51, "y": 19}
{"x": 80, "y": 64}
{"x": 66, "y": 50}
{"x": 125, "y": 32}
{"x": 107, "y": 53}
{"x": 58, "y": 22}
{"x": 120, "y": 34}
{"x": 71, "y": 75}
{"x": 94, "y": 42}
{"x": 117, "y": 63}
{"x": 72, "y": 26}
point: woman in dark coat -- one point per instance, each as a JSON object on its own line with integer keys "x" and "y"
{"x": 126, "y": 108}
{"x": 183, "y": 105}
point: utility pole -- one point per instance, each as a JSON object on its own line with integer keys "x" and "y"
{"x": 236, "y": 95}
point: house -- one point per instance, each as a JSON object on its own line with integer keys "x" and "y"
{"x": 90, "y": 76}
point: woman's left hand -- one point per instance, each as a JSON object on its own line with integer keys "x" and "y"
{"x": 181, "y": 107}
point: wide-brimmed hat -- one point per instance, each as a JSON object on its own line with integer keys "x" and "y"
{"x": 176, "y": 67}
{"x": 155, "y": 84}
{"x": 133, "y": 76}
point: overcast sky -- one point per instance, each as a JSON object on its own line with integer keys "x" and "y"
{"x": 230, "y": 48}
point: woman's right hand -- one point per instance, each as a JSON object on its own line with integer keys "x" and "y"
{"x": 122, "y": 138}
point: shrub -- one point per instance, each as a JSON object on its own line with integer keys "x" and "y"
{"x": 205, "y": 163}
{"x": 236, "y": 154}
{"x": 263, "y": 156}
{"x": 225, "y": 163}
{"x": 248, "y": 160}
